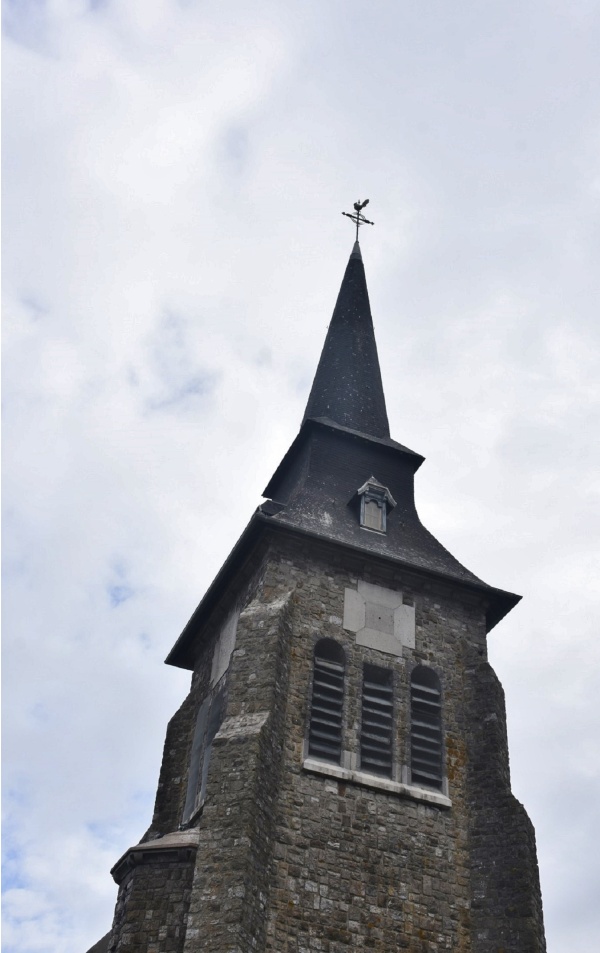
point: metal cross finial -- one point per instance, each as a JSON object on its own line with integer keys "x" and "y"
{"x": 358, "y": 218}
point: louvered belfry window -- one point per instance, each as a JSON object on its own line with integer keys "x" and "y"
{"x": 377, "y": 721}
{"x": 325, "y": 733}
{"x": 426, "y": 728}
{"x": 208, "y": 722}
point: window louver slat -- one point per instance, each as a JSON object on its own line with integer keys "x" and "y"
{"x": 431, "y": 750}
{"x": 328, "y": 699}
{"x": 376, "y": 686}
{"x": 330, "y": 679}
{"x": 428, "y": 726}
{"x": 375, "y": 702}
{"x": 320, "y": 750}
{"x": 382, "y": 737}
{"x": 325, "y": 665}
{"x": 327, "y": 717}
{"x": 377, "y": 765}
{"x": 426, "y": 690}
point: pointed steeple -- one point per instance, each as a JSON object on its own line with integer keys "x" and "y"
{"x": 342, "y": 459}
{"x": 347, "y": 388}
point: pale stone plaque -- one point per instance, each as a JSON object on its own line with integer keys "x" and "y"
{"x": 379, "y": 618}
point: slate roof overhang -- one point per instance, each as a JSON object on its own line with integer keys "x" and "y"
{"x": 260, "y": 527}
{"x": 325, "y": 424}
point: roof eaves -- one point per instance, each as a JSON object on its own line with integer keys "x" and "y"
{"x": 500, "y": 601}
{"x": 180, "y": 654}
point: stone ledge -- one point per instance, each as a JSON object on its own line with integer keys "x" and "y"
{"x": 242, "y": 726}
{"x": 177, "y": 847}
{"x": 374, "y": 781}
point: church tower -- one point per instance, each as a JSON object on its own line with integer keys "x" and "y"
{"x": 337, "y": 778}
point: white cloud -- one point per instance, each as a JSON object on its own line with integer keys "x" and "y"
{"x": 174, "y": 178}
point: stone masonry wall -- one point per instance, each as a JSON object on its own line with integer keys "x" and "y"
{"x": 294, "y": 861}
{"x": 151, "y": 910}
{"x": 355, "y": 867}
{"x": 153, "y": 899}
{"x": 358, "y": 868}
{"x": 234, "y": 862}
{"x": 172, "y": 785}
{"x": 507, "y": 905}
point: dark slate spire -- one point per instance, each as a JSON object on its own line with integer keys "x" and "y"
{"x": 347, "y": 388}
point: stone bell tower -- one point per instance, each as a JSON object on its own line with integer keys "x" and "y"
{"x": 337, "y": 778}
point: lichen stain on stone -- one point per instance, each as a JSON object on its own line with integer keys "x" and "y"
{"x": 457, "y": 758}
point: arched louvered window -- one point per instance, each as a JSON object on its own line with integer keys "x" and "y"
{"x": 208, "y": 722}
{"x": 426, "y": 727}
{"x": 377, "y": 721}
{"x": 325, "y": 733}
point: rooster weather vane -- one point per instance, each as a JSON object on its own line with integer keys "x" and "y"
{"x": 358, "y": 218}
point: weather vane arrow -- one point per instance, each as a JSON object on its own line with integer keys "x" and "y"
{"x": 357, "y": 217}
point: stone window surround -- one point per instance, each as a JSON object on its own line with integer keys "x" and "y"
{"x": 349, "y": 772}
{"x": 359, "y": 604}
{"x": 330, "y": 770}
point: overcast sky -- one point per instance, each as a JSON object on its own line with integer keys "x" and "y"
{"x": 174, "y": 174}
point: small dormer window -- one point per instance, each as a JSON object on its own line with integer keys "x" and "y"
{"x": 373, "y": 515}
{"x": 376, "y": 501}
